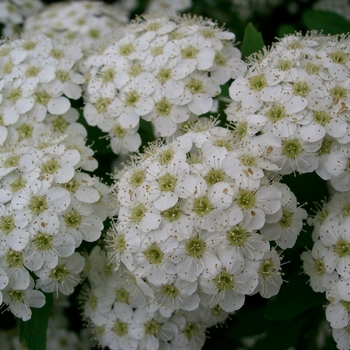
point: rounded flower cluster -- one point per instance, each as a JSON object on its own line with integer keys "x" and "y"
{"x": 48, "y": 206}
{"x": 164, "y": 70}
{"x": 186, "y": 248}
{"x": 295, "y": 97}
{"x": 13, "y": 13}
{"x": 38, "y": 78}
{"x": 87, "y": 24}
{"x": 328, "y": 263}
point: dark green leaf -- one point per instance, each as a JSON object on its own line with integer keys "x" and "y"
{"x": 295, "y": 297}
{"x": 33, "y": 332}
{"x": 285, "y": 29}
{"x": 252, "y": 41}
{"x": 326, "y": 21}
{"x": 283, "y": 335}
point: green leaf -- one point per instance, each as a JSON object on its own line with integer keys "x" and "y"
{"x": 285, "y": 29}
{"x": 252, "y": 41}
{"x": 285, "y": 334}
{"x": 33, "y": 332}
{"x": 295, "y": 298}
{"x": 326, "y": 21}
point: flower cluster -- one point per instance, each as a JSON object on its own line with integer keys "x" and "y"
{"x": 186, "y": 247}
{"x": 296, "y": 97}
{"x": 37, "y": 80}
{"x": 13, "y": 13}
{"x": 165, "y": 70}
{"x": 47, "y": 205}
{"x": 47, "y": 208}
{"x": 328, "y": 263}
{"x": 86, "y": 24}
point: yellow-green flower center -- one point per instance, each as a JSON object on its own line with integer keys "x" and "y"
{"x": 258, "y": 82}
{"x": 37, "y": 204}
{"x": 224, "y": 281}
{"x": 73, "y": 219}
{"x": 291, "y": 149}
{"x": 301, "y": 88}
{"x": 245, "y": 199}
{"x": 7, "y": 224}
{"x": 43, "y": 241}
{"x": 202, "y": 206}
{"x": 167, "y": 183}
{"x": 153, "y": 254}
{"x": 189, "y": 52}
{"x": 195, "y": 247}
{"x": 237, "y": 236}
{"x": 214, "y": 176}
{"x": 266, "y": 268}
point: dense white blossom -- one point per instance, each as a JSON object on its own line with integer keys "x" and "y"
{"x": 165, "y": 70}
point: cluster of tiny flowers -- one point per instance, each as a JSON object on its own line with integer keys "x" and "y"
{"x": 295, "y": 97}
{"x": 13, "y": 14}
{"x": 38, "y": 78}
{"x": 186, "y": 248}
{"x": 165, "y": 70}
{"x": 47, "y": 208}
{"x": 118, "y": 310}
{"x": 84, "y": 23}
{"x": 328, "y": 263}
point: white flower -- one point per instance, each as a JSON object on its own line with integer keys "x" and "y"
{"x": 229, "y": 285}
{"x": 252, "y": 202}
{"x": 270, "y": 276}
{"x": 47, "y": 243}
{"x": 175, "y": 295}
{"x": 256, "y": 88}
{"x": 196, "y": 254}
{"x": 14, "y": 233}
{"x": 150, "y": 328}
{"x": 336, "y": 236}
{"x": 39, "y": 198}
{"x": 342, "y": 337}
{"x": 80, "y": 223}
{"x": 207, "y": 206}
{"x": 337, "y": 312}
{"x": 63, "y": 277}
{"x": 173, "y": 182}
{"x": 237, "y": 242}
{"x": 315, "y": 266}
{"x": 21, "y": 300}
{"x": 286, "y": 230}
{"x": 202, "y": 89}
{"x": 118, "y": 328}
{"x": 153, "y": 260}
{"x": 190, "y": 53}
{"x": 292, "y": 154}
{"x": 191, "y": 331}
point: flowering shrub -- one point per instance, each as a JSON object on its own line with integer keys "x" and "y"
{"x": 161, "y": 177}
